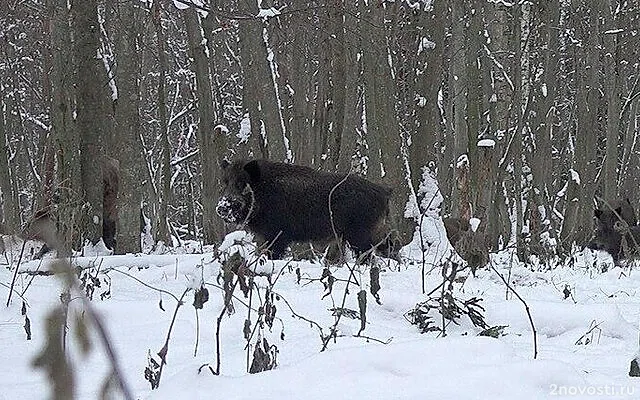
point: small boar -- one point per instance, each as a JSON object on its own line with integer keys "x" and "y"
{"x": 42, "y": 225}
{"x": 455, "y": 227}
{"x": 286, "y": 203}
{"x": 613, "y": 223}
{"x": 467, "y": 243}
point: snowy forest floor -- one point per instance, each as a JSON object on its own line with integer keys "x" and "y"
{"x": 585, "y": 342}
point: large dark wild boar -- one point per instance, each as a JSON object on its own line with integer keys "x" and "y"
{"x": 613, "y": 223}
{"x": 285, "y": 203}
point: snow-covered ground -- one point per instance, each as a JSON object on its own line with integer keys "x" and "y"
{"x": 575, "y": 360}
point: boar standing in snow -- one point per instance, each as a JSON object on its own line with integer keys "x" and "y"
{"x": 615, "y": 226}
{"x": 469, "y": 244}
{"x": 286, "y": 203}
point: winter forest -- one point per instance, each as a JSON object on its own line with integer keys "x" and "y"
{"x": 116, "y": 116}
{"x": 523, "y": 111}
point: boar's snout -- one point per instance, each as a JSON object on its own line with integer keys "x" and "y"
{"x": 231, "y": 209}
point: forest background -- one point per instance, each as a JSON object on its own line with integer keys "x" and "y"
{"x": 524, "y": 111}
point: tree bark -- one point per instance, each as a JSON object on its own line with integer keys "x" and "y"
{"x": 128, "y": 119}
{"x": 211, "y": 141}
{"x": 165, "y": 187}
{"x": 11, "y": 219}
{"x": 260, "y": 88}
{"x": 579, "y": 211}
{"x": 517, "y": 134}
{"x": 89, "y": 114}
{"x": 474, "y": 36}
{"x": 65, "y": 132}
{"x": 383, "y": 133}
{"x": 423, "y": 151}
{"x": 540, "y": 198}
{"x": 458, "y": 90}
{"x": 612, "y": 91}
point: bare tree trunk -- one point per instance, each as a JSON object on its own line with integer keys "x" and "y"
{"x": 501, "y": 101}
{"x": 128, "y": 120}
{"x": 260, "y": 86}
{"x": 11, "y": 219}
{"x": 458, "y": 90}
{"x": 383, "y": 133}
{"x": 339, "y": 83}
{"x": 540, "y": 197}
{"x": 89, "y": 114}
{"x": 578, "y": 214}
{"x": 298, "y": 73}
{"x": 612, "y": 91}
{"x": 64, "y": 130}
{"x": 517, "y": 135}
{"x": 474, "y": 36}
{"x": 165, "y": 188}
{"x": 321, "y": 118}
{"x": 430, "y": 47}
{"x": 352, "y": 101}
{"x": 211, "y": 141}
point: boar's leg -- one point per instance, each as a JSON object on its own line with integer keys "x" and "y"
{"x": 360, "y": 241}
{"x": 277, "y": 243}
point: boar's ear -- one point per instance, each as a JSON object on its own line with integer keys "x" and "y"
{"x": 597, "y": 213}
{"x": 224, "y": 164}
{"x": 618, "y": 211}
{"x": 253, "y": 169}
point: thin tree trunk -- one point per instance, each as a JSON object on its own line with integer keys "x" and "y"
{"x": 339, "y": 82}
{"x": 128, "y": 120}
{"x": 579, "y": 211}
{"x": 517, "y": 135}
{"x": 261, "y": 91}
{"x": 211, "y": 141}
{"x": 548, "y": 13}
{"x": 165, "y": 188}
{"x": 382, "y": 124}
{"x": 458, "y": 91}
{"x": 353, "y": 100}
{"x": 474, "y": 35}
{"x": 11, "y": 221}
{"x": 430, "y": 47}
{"x": 612, "y": 91}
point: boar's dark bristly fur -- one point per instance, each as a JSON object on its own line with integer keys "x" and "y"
{"x": 613, "y": 223}
{"x": 285, "y": 203}
{"x": 455, "y": 227}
